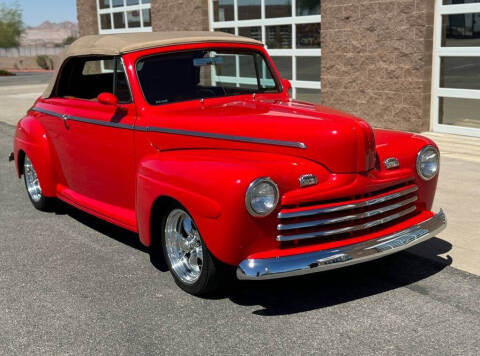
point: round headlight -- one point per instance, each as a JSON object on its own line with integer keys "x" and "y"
{"x": 262, "y": 197}
{"x": 428, "y": 161}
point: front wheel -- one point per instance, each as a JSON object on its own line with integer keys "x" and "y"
{"x": 193, "y": 268}
{"x": 34, "y": 190}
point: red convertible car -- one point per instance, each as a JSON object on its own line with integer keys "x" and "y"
{"x": 191, "y": 140}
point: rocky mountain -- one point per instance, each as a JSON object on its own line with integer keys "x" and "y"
{"x": 49, "y": 33}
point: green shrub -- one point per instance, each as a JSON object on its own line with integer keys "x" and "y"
{"x": 4, "y": 73}
{"x": 69, "y": 40}
{"x": 45, "y": 62}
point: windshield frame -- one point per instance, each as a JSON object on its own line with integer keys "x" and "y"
{"x": 235, "y": 50}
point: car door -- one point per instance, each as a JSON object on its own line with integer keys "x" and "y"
{"x": 95, "y": 140}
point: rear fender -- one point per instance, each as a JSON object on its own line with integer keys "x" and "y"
{"x": 31, "y": 139}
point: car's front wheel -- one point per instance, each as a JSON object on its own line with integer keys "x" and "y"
{"x": 34, "y": 190}
{"x": 191, "y": 264}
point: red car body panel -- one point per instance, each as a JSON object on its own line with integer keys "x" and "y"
{"x": 118, "y": 173}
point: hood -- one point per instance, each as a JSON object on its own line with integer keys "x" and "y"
{"x": 338, "y": 141}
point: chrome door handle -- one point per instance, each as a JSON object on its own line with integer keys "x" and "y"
{"x": 65, "y": 118}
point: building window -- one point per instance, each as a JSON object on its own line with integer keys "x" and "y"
{"x": 278, "y": 8}
{"x": 249, "y": 9}
{"x": 254, "y": 32}
{"x": 118, "y": 20}
{"x": 120, "y": 16}
{"x": 223, "y": 10}
{"x": 307, "y": 7}
{"x": 456, "y": 69}
{"x": 289, "y": 29}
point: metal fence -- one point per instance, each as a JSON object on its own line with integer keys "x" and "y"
{"x": 30, "y": 51}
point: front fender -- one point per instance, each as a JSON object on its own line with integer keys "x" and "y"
{"x": 211, "y": 184}
{"x": 405, "y": 146}
{"x": 31, "y": 138}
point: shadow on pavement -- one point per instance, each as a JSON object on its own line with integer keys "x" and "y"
{"x": 300, "y": 294}
{"x": 115, "y": 232}
{"x": 304, "y": 293}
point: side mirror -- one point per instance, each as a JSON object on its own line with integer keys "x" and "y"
{"x": 286, "y": 85}
{"x": 107, "y": 99}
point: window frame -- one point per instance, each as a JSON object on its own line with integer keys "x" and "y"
{"x": 438, "y": 53}
{"x": 264, "y": 22}
{"x": 275, "y": 78}
{"x": 88, "y": 58}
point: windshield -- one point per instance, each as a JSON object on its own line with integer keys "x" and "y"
{"x": 201, "y": 74}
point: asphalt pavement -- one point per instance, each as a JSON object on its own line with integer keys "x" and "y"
{"x": 73, "y": 284}
{"x": 26, "y": 78}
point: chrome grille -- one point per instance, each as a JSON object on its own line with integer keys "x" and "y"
{"x": 324, "y": 220}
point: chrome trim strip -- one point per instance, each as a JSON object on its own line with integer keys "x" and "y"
{"x": 101, "y": 123}
{"x": 48, "y": 112}
{"x": 294, "y": 265}
{"x": 85, "y": 120}
{"x": 264, "y": 141}
{"x": 366, "y": 214}
{"x": 311, "y": 235}
{"x": 332, "y": 209}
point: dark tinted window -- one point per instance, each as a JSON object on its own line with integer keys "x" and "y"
{"x": 460, "y": 72}
{"x": 308, "y": 35}
{"x": 278, "y": 8}
{"x": 279, "y": 36}
{"x": 223, "y": 10}
{"x": 456, "y": 2}
{"x": 459, "y": 112}
{"x": 284, "y": 66}
{"x": 461, "y": 30}
{"x": 308, "y": 7}
{"x": 226, "y": 30}
{"x": 249, "y": 9}
{"x": 252, "y": 32}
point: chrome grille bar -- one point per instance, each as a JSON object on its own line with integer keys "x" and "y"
{"x": 311, "y": 235}
{"x": 366, "y": 214}
{"x": 382, "y": 199}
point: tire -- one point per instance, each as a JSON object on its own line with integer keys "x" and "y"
{"x": 197, "y": 272}
{"x": 34, "y": 191}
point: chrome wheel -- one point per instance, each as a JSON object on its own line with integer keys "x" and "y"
{"x": 31, "y": 180}
{"x": 183, "y": 246}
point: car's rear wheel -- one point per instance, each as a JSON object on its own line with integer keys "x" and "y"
{"x": 191, "y": 264}
{"x": 34, "y": 189}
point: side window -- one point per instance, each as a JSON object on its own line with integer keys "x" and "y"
{"x": 86, "y": 77}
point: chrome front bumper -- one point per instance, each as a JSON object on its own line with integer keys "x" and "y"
{"x": 280, "y": 267}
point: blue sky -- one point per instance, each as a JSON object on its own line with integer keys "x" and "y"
{"x": 37, "y": 11}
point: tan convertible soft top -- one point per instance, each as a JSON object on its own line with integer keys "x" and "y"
{"x": 117, "y": 44}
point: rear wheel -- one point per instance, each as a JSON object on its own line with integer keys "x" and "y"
{"x": 191, "y": 264}
{"x": 34, "y": 190}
